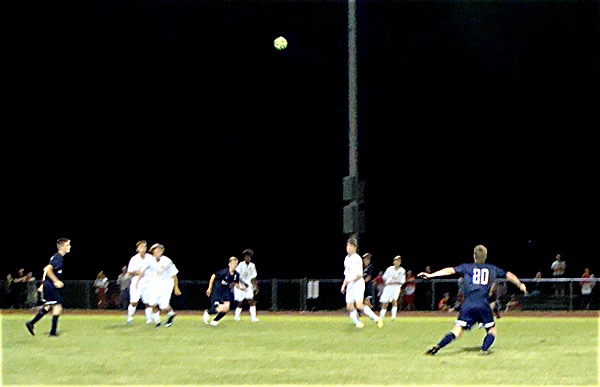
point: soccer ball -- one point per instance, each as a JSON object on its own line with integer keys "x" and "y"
{"x": 280, "y": 43}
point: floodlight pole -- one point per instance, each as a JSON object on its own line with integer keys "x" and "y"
{"x": 354, "y": 217}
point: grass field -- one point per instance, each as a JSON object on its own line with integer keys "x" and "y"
{"x": 296, "y": 349}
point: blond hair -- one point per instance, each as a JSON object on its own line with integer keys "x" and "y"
{"x": 480, "y": 253}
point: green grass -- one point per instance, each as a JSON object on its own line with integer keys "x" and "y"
{"x": 296, "y": 349}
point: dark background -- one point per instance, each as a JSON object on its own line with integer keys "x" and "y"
{"x": 178, "y": 122}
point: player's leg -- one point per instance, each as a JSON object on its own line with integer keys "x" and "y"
{"x": 394, "y": 308}
{"x": 464, "y": 322}
{"x": 222, "y": 310}
{"x": 487, "y": 319}
{"x": 383, "y": 309}
{"x": 56, "y": 312}
{"x": 238, "y": 301}
{"x": 251, "y": 304}
{"x": 135, "y": 295}
{"x": 359, "y": 295}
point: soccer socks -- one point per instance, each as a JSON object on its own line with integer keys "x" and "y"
{"x": 253, "y": 312}
{"x": 354, "y": 316}
{"x": 488, "y": 340}
{"x": 382, "y": 313}
{"x": 219, "y": 316}
{"x": 238, "y": 313}
{"x": 54, "y": 325}
{"x": 369, "y": 312}
{"x": 156, "y": 317}
{"x": 446, "y": 340}
{"x": 394, "y": 312}
{"x": 130, "y": 312}
{"x": 149, "y": 317}
{"x": 41, "y": 313}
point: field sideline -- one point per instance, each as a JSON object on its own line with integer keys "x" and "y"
{"x": 298, "y": 349}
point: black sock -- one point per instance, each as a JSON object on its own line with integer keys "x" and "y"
{"x": 219, "y": 316}
{"x": 446, "y": 340}
{"x": 487, "y": 342}
{"x": 41, "y": 313}
{"x": 54, "y": 325}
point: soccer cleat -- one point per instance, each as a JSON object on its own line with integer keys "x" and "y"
{"x": 484, "y": 352}
{"x": 380, "y": 323}
{"x": 214, "y": 323}
{"x": 169, "y": 321}
{"x": 157, "y": 324}
{"x": 360, "y": 324}
{"x": 254, "y": 320}
{"x": 236, "y": 319}
{"x": 148, "y": 322}
{"x": 206, "y": 317}
{"x": 433, "y": 350}
{"x": 29, "y": 326}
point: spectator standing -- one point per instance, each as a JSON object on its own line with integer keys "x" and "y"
{"x": 31, "y": 289}
{"x": 408, "y": 293}
{"x": 101, "y": 285}
{"x": 558, "y": 272}
{"x": 124, "y": 282}
{"x": 586, "y": 288}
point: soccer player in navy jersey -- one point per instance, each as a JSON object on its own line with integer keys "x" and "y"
{"x": 478, "y": 277}
{"x": 220, "y": 291}
{"x": 52, "y": 287}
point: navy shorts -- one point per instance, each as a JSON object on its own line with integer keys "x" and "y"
{"x": 52, "y": 294}
{"x": 220, "y": 297}
{"x": 471, "y": 314}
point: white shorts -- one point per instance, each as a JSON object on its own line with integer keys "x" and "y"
{"x": 152, "y": 292}
{"x": 136, "y": 290}
{"x": 390, "y": 293}
{"x": 164, "y": 298}
{"x": 355, "y": 291}
{"x": 241, "y": 295}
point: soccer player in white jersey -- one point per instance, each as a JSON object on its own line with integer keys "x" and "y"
{"x": 137, "y": 264}
{"x": 354, "y": 286}
{"x": 394, "y": 277}
{"x": 163, "y": 283}
{"x": 248, "y": 286}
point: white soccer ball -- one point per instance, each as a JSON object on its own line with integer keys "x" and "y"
{"x": 280, "y": 43}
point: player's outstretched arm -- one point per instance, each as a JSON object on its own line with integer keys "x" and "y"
{"x": 439, "y": 273}
{"x": 515, "y": 280}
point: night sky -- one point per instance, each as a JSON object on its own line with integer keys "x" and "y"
{"x": 179, "y": 123}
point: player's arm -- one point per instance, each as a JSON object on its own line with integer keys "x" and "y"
{"x": 440, "y": 273}
{"x": 211, "y": 282}
{"x": 176, "y": 290}
{"x": 49, "y": 272}
{"x": 516, "y": 281}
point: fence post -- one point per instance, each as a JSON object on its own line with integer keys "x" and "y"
{"x": 274, "y": 294}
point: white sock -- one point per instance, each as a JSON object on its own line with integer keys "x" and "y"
{"x": 171, "y": 313}
{"x": 148, "y": 314}
{"x": 156, "y": 317}
{"x": 394, "y": 311}
{"x": 369, "y": 312}
{"x": 131, "y": 311}
{"x": 354, "y": 316}
{"x": 253, "y": 312}
{"x": 238, "y": 313}
{"x": 382, "y": 313}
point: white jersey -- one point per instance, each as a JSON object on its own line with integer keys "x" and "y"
{"x": 138, "y": 264}
{"x": 394, "y": 277}
{"x": 353, "y": 267}
{"x": 247, "y": 273}
{"x": 167, "y": 270}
